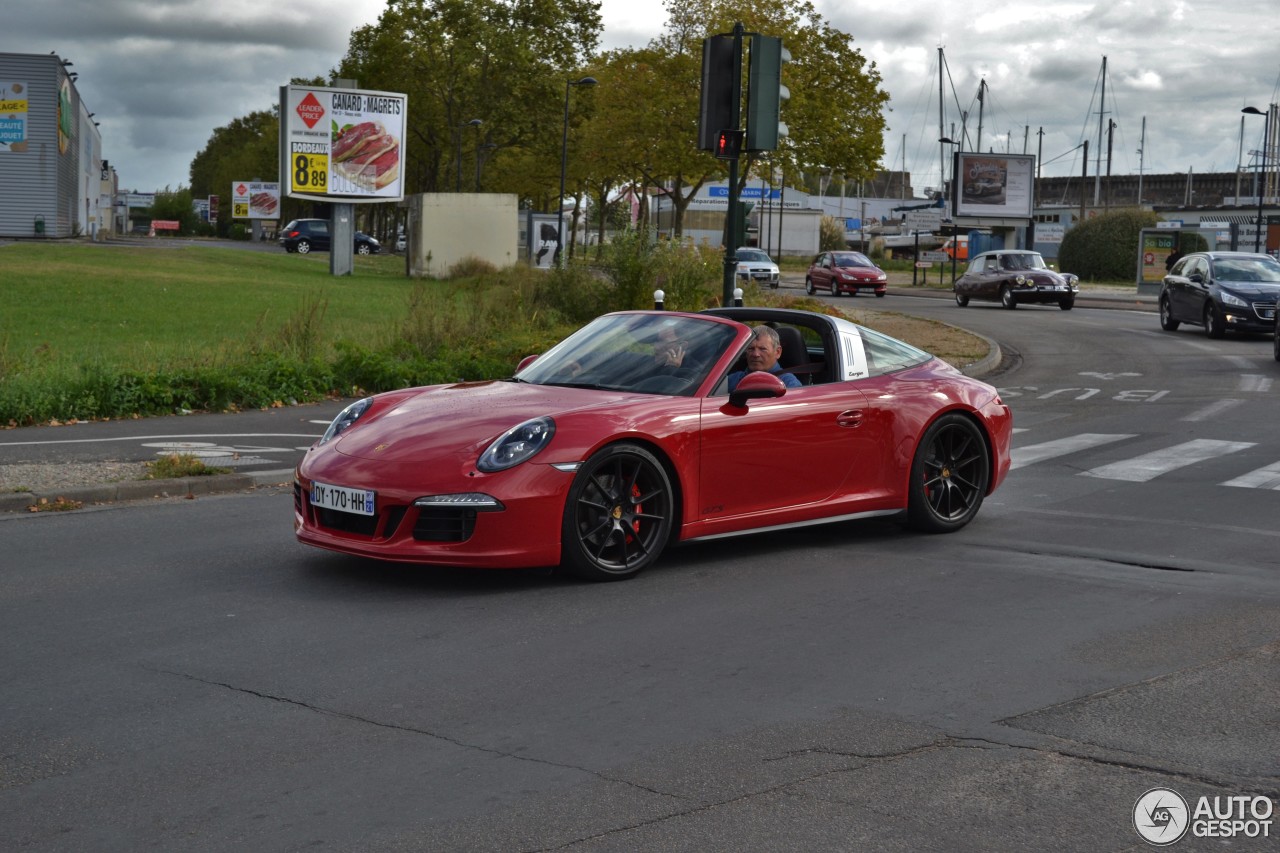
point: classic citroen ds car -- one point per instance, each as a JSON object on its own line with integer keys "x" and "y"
{"x": 1015, "y": 277}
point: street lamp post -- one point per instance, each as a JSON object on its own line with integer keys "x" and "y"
{"x": 1262, "y": 168}
{"x": 488, "y": 146}
{"x": 457, "y": 160}
{"x": 564, "y": 166}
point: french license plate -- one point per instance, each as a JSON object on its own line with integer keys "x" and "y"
{"x": 343, "y": 498}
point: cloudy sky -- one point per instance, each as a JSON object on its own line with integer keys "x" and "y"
{"x": 162, "y": 74}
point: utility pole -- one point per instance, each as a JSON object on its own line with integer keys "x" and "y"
{"x": 1102, "y": 111}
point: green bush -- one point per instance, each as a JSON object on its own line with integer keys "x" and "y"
{"x": 1105, "y": 247}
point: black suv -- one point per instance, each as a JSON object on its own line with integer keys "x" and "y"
{"x": 304, "y": 235}
{"x": 1221, "y": 291}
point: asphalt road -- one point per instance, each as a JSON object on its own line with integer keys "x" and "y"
{"x": 182, "y": 675}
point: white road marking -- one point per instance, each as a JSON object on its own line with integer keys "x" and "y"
{"x": 1212, "y": 410}
{"x": 1062, "y": 446}
{"x": 1263, "y": 478}
{"x": 1141, "y": 469}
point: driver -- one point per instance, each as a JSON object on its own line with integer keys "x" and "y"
{"x": 763, "y": 352}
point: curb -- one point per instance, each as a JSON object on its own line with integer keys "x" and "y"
{"x": 135, "y": 490}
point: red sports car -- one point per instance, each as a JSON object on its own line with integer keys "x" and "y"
{"x": 844, "y": 272}
{"x": 624, "y": 438}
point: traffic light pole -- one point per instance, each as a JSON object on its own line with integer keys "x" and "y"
{"x": 731, "y": 217}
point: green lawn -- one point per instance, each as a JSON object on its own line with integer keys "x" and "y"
{"x": 72, "y": 304}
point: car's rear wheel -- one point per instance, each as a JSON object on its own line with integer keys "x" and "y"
{"x": 1166, "y": 316}
{"x": 363, "y": 249}
{"x": 961, "y": 299}
{"x": 949, "y": 475}
{"x": 304, "y": 246}
{"x": 808, "y": 286}
{"x": 1214, "y": 326}
{"x": 619, "y": 514}
{"x": 835, "y": 289}
{"x": 1006, "y": 298}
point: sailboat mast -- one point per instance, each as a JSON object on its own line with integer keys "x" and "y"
{"x": 982, "y": 86}
{"x": 1142, "y": 153}
{"x": 942, "y": 154}
{"x": 1102, "y": 111}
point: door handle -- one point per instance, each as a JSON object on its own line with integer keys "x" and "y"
{"x": 850, "y": 418}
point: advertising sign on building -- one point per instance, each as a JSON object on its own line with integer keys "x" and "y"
{"x": 993, "y": 185}
{"x": 255, "y": 200}
{"x": 342, "y": 144}
{"x": 13, "y": 117}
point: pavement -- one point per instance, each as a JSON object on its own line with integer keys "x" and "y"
{"x": 94, "y": 491}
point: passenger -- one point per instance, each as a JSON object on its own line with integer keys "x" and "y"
{"x": 762, "y": 354}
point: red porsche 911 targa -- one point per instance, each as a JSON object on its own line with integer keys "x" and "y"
{"x": 625, "y": 437}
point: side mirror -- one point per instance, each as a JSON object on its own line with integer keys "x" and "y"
{"x": 1196, "y": 277}
{"x": 755, "y": 386}
{"x": 525, "y": 362}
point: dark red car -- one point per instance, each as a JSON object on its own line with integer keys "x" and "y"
{"x": 602, "y": 451}
{"x": 844, "y": 272}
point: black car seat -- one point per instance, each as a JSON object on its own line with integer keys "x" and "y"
{"x": 795, "y": 355}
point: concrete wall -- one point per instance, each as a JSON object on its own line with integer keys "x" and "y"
{"x": 444, "y": 228}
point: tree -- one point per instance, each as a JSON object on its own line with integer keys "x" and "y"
{"x": 246, "y": 149}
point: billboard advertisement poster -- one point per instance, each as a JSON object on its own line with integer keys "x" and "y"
{"x": 13, "y": 117}
{"x": 255, "y": 200}
{"x": 342, "y": 144}
{"x": 994, "y": 185}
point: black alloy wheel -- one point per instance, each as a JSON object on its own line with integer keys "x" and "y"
{"x": 619, "y": 514}
{"x": 1166, "y": 316}
{"x": 1214, "y": 326}
{"x": 949, "y": 475}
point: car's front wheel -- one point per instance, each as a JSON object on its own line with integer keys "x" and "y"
{"x": 1166, "y": 316}
{"x": 1275, "y": 339}
{"x": 949, "y": 476}
{"x": 1214, "y": 326}
{"x": 304, "y": 246}
{"x": 1006, "y": 298}
{"x": 1066, "y": 303}
{"x": 961, "y": 299}
{"x": 619, "y": 514}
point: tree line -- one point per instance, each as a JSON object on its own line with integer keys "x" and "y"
{"x": 488, "y": 81}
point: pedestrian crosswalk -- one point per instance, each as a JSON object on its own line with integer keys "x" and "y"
{"x": 1148, "y": 465}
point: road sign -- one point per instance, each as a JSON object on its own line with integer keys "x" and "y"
{"x": 924, "y": 220}
{"x": 935, "y": 256}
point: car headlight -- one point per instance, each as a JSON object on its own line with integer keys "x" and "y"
{"x": 516, "y": 445}
{"x": 1021, "y": 280}
{"x": 1229, "y": 298}
{"x": 346, "y": 418}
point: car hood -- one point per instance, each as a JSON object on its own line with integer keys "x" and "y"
{"x": 860, "y": 272}
{"x": 1043, "y": 277}
{"x": 461, "y": 420}
{"x": 1251, "y": 289}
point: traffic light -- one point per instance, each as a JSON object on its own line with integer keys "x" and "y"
{"x": 766, "y": 93}
{"x": 718, "y": 109}
{"x": 729, "y": 144}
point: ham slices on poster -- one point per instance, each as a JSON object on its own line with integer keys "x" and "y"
{"x": 342, "y": 144}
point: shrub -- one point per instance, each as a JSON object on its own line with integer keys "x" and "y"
{"x": 1105, "y": 247}
{"x": 831, "y": 235}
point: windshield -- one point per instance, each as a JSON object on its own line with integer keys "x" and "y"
{"x": 853, "y": 259}
{"x": 753, "y": 255}
{"x": 1247, "y": 269}
{"x": 1022, "y": 261}
{"x": 650, "y": 353}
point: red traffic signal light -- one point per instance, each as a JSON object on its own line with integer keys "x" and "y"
{"x": 729, "y": 144}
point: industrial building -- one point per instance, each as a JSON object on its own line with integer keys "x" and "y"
{"x": 53, "y": 180}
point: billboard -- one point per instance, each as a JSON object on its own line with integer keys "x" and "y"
{"x": 994, "y": 185}
{"x": 342, "y": 144}
{"x": 255, "y": 199}
{"x": 13, "y": 116}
